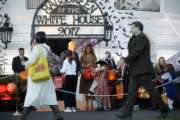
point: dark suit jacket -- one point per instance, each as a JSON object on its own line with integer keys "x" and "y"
{"x": 17, "y": 67}
{"x": 139, "y": 59}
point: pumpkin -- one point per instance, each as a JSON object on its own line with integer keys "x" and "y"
{"x": 23, "y": 75}
{"x": 112, "y": 75}
{"x": 11, "y": 87}
{"x": 3, "y": 88}
{"x": 6, "y": 97}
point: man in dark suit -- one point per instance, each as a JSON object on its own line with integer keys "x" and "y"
{"x": 140, "y": 71}
{"x": 18, "y": 63}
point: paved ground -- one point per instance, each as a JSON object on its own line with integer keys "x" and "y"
{"x": 109, "y": 115}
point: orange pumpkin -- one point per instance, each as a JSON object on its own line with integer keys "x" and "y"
{"x": 23, "y": 75}
{"x": 6, "y": 97}
{"x": 112, "y": 75}
{"x": 11, "y": 87}
{"x": 3, "y": 88}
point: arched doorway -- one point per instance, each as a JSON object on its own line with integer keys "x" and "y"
{"x": 58, "y": 45}
{"x": 62, "y": 21}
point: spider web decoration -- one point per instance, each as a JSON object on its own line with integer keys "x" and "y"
{"x": 121, "y": 20}
{"x": 3, "y": 62}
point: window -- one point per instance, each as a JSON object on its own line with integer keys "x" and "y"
{"x": 33, "y": 4}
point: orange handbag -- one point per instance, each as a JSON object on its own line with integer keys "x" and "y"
{"x": 23, "y": 75}
{"x": 112, "y": 75}
{"x": 87, "y": 74}
{"x": 119, "y": 91}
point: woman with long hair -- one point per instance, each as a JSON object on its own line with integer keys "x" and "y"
{"x": 165, "y": 73}
{"x": 42, "y": 92}
{"x": 87, "y": 60}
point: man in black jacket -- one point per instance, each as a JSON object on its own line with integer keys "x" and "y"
{"x": 140, "y": 71}
{"x": 18, "y": 63}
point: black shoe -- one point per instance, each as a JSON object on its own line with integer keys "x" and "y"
{"x": 56, "y": 112}
{"x": 124, "y": 116}
{"x": 25, "y": 113}
{"x": 164, "y": 114}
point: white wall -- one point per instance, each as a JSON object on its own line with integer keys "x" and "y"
{"x": 172, "y": 6}
{"x": 165, "y": 41}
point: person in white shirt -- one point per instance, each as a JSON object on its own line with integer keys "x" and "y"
{"x": 69, "y": 70}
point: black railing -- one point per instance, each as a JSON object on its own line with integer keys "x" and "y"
{"x": 33, "y": 4}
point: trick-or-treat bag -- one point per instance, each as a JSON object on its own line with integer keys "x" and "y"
{"x": 119, "y": 91}
{"x": 112, "y": 75}
{"x": 87, "y": 74}
{"x": 143, "y": 93}
{"x": 59, "y": 81}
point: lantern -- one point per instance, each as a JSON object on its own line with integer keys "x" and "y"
{"x": 6, "y": 31}
{"x": 3, "y": 88}
{"x": 108, "y": 29}
{"x": 11, "y": 87}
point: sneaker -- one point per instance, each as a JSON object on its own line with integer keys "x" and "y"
{"x": 73, "y": 109}
{"x": 68, "y": 109}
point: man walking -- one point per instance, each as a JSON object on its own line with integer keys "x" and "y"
{"x": 140, "y": 70}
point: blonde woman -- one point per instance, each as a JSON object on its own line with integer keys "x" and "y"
{"x": 165, "y": 73}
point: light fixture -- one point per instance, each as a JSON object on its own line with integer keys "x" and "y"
{"x": 108, "y": 29}
{"x": 6, "y": 31}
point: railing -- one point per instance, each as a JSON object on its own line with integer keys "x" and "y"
{"x": 33, "y": 4}
{"x": 140, "y": 5}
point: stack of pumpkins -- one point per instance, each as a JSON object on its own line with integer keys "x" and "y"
{"x": 7, "y": 92}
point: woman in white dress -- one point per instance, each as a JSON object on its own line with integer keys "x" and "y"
{"x": 41, "y": 93}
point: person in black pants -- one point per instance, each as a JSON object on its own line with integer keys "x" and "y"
{"x": 69, "y": 69}
{"x": 72, "y": 47}
{"x": 140, "y": 71}
{"x": 18, "y": 66}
